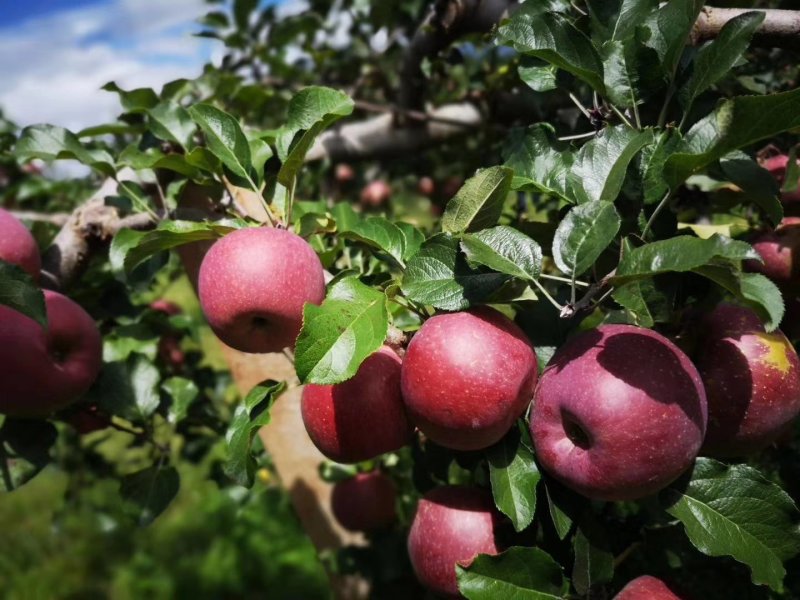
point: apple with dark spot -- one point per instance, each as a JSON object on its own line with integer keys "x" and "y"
{"x": 619, "y": 413}
{"x": 752, "y": 379}
{"x": 45, "y": 370}
{"x": 360, "y": 418}
{"x": 452, "y": 525}
{"x": 17, "y": 245}
{"x": 646, "y": 587}
{"x": 467, "y": 376}
{"x": 253, "y": 284}
{"x": 365, "y": 502}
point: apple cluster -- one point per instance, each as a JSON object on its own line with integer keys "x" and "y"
{"x": 42, "y": 370}
{"x": 619, "y": 412}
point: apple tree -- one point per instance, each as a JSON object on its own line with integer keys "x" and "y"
{"x": 533, "y": 264}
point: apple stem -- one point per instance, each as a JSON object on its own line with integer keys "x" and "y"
{"x": 552, "y": 300}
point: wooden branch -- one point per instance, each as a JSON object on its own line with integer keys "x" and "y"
{"x": 27, "y": 215}
{"x": 780, "y": 29}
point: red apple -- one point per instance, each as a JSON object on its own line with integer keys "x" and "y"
{"x": 780, "y": 250}
{"x": 17, "y": 245}
{"x": 169, "y": 345}
{"x": 42, "y": 371}
{"x": 344, "y": 173}
{"x": 752, "y": 379}
{"x": 253, "y": 284}
{"x": 360, "y": 418}
{"x": 777, "y": 166}
{"x": 169, "y": 308}
{"x": 87, "y": 419}
{"x": 646, "y": 588}
{"x": 426, "y": 186}
{"x": 467, "y": 376}
{"x": 619, "y": 413}
{"x": 452, "y": 525}
{"x": 364, "y": 502}
{"x": 375, "y": 194}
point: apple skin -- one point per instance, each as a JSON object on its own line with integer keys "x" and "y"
{"x": 619, "y": 413}
{"x": 360, "y": 418}
{"x": 253, "y": 284}
{"x": 780, "y": 250}
{"x": 777, "y": 166}
{"x": 453, "y": 524}
{"x": 364, "y": 502}
{"x": 467, "y": 376}
{"x": 752, "y": 379}
{"x": 44, "y": 371}
{"x": 646, "y": 587}
{"x": 17, "y": 245}
{"x": 375, "y": 194}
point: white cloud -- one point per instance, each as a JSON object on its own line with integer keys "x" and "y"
{"x": 52, "y": 68}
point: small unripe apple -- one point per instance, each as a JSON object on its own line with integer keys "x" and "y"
{"x": 375, "y": 194}
{"x": 467, "y": 376}
{"x": 777, "y": 166}
{"x": 42, "y": 371}
{"x": 364, "y": 502}
{"x": 17, "y": 245}
{"x": 452, "y": 525}
{"x": 253, "y": 284}
{"x": 752, "y": 379}
{"x": 780, "y": 251}
{"x": 426, "y": 186}
{"x": 360, "y": 418}
{"x": 619, "y": 413}
{"x": 646, "y": 587}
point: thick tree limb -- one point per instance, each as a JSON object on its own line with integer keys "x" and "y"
{"x": 780, "y": 29}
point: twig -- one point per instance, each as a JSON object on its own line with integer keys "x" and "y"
{"x": 573, "y": 308}
{"x": 416, "y": 115}
{"x": 656, "y": 212}
{"x": 552, "y": 300}
{"x": 579, "y": 136}
{"x": 564, "y": 280}
{"x": 54, "y": 218}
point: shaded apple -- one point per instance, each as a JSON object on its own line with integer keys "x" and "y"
{"x": 344, "y": 173}
{"x": 752, "y": 379}
{"x": 253, "y": 284}
{"x": 452, "y": 525}
{"x": 364, "y": 502}
{"x": 619, "y": 413}
{"x": 42, "y": 371}
{"x": 169, "y": 344}
{"x": 777, "y": 166}
{"x": 467, "y": 376}
{"x": 780, "y": 251}
{"x": 375, "y": 194}
{"x": 17, "y": 245}
{"x": 87, "y": 419}
{"x": 646, "y": 587}
{"x": 360, "y": 418}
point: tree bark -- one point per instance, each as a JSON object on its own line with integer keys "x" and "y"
{"x": 780, "y": 28}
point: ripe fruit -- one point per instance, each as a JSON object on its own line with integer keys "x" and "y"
{"x": 169, "y": 345}
{"x": 87, "y": 419}
{"x": 780, "y": 250}
{"x": 364, "y": 502}
{"x": 362, "y": 417}
{"x": 646, "y": 588}
{"x": 253, "y": 284}
{"x": 17, "y": 245}
{"x": 375, "y": 193}
{"x": 752, "y": 379}
{"x": 426, "y": 186}
{"x": 453, "y": 524}
{"x": 344, "y": 173}
{"x": 777, "y": 166}
{"x": 467, "y": 376}
{"x": 165, "y": 306}
{"x": 619, "y": 413}
{"x": 42, "y": 371}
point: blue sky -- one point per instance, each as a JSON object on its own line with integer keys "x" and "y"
{"x": 55, "y": 55}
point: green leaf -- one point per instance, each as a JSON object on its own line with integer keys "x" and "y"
{"x": 125, "y": 340}
{"x": 561, "y": 519}
{"x": 514, "y": 477}
{"x": 439, "y": 276}
{"x": 24, "y": 450}
{"x": 669, "y": 29}
{"x": 732, "y": 510}
{"x": 241, "y": 12}
{"x": 311, "y": 111}
{"x": 651, "y": 166}
{"x": 594, "y": 562}
{"x": 716, "y": 59}
{"x": 170, "y": 121}
{"x": 680, "y": 254}
{"x": 127, "y": 389}
{"x": 154, "y": 158}
{"x": 250, "y": 416}
{"x": 379, "y": 233}
{"x": 540, "y": 78}
{"x": 631, "y": 296}
{"x": 479, "y": 203}
{"x": 756, "y": 183}
{"x": 619, "y": 72}
{"x": 552, "y": 38}
{"x": 183, "y": 392}
{"x": 582, "y": 236}
{"x": 150, "y": 491}
{"x": 414, "y": 239}
{"x": 224, "y": 138}
{"x": 336, "y": 337}
{"x": 538, "y": 160}
{"x": 519, "y": 573}
{"x": 133, "y": 101}
{"x": 600, "y": 165}
{"x": 754, "y": 289}
{"x": 50, "y": 143}
{"x": 261, "y": 152}
{"x": 505, "y": 250}
{"x": 632, "y": 13}
{"x": 19, "y": 291}
{"x": 736, "y": 123}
